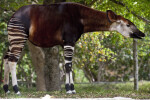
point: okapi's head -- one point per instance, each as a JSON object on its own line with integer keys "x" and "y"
{"x": 123, "y": 26}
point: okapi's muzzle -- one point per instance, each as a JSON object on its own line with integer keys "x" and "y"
{"x": 137, "y": 35}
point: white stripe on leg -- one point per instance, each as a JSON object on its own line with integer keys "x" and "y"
{"x": 67, "y": 78}
{"x": 71, "y": 78}
{"x": 6, "y": 72}
{"x": 67, "y": 61}
{"x": 12, "y": 66}
{"x": 68, "y": 47}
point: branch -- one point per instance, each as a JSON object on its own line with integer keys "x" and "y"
{"x": 138, "y": 16}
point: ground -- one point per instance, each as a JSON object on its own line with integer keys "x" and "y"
{"x": 88, "y": 91}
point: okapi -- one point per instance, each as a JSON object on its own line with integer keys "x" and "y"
{"x": 58, "y": 24}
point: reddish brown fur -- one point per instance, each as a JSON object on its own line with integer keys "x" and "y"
{"x": 94, "y": 20}
{"x": 124, "y": 20}
{"x": 46, "y": 22}
{"x": 46, "y": 27}
{"x": 57, "y": 24}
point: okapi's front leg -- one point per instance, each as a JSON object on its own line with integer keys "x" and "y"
{"x": 68, "y": 53}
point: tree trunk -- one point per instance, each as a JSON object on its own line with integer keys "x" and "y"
{"x": 135, "y": 59}
{"x": 88, "y": 74}
{"x": 51, "y": 69}
{"x": 100, "y": 71}
{"x": 38, "y": 59}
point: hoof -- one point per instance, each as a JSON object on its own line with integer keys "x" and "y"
{"x": 16, "y": 90}
{"x": 18, "y": 93}
{"x": 73, "y": 91}
{"x": 70, "y": 89}
{"x": 69, "y": 92}
{"x": 8, "y": 92}
{"x": 5, "y": 87}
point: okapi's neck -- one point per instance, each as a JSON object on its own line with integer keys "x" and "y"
{"x": 94, "y": 20}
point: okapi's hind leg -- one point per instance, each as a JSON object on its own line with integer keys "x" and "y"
{"x": 68, "y": 53}
{"x": 17, "y": 39}
{"x": 6, "y": 73}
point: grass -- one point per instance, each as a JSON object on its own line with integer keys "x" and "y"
{"x": 89, "y": 91}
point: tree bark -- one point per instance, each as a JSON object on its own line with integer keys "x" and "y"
{"x": 88, "y": 73}
{"x": 135, "y": 59}
{"x": 51, "y": 69}
{"x": 38, "y": 61}
{"x": 100, "y": 71}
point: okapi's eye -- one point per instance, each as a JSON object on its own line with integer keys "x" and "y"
{"x": 128, "y": 25}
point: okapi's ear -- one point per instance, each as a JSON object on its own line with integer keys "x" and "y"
{"x": 112, "y": 17}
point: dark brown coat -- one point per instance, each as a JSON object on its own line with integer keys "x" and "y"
{"x": 60, "y": 24}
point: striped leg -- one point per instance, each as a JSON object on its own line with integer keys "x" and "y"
{"x": 17, "y": 39}
{"x": 68, "y": 53}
